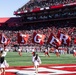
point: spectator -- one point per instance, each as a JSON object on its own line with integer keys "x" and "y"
{"x": 37, "y": 62}
{"x": 3, "y": 63}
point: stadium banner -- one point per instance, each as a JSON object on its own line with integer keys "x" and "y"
{"x": 38, "y": 38}
{"x": 54, "y": 41}
{"x": 56, "y": 6}
{"x": 70, "y": 4}
{"x": 36, "y": 9}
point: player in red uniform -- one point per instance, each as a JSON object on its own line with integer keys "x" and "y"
{"x": 47, "y": 52}
{"x": 74, "y": 52}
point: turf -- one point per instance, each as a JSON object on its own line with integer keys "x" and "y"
{"x": 26, "y": 59}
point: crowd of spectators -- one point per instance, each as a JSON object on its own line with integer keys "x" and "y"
{"x": 43, "y": 3}
{"x": 43, "y": 28}
{"x": 67, "y": 26}
{"x": 61, "y": 13}
{"x": 55, "y": 15}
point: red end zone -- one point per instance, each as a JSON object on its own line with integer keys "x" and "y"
{"x": 53, "y": 69}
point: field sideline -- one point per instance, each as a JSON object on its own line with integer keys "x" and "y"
{"x": 26, "y": 59}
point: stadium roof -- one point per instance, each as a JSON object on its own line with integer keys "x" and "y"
{"x": 9, "y": 19}
{"x": 3, "y": 20}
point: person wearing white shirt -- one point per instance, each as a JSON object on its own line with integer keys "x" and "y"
{"x": 20, "y": 51}
{"x": 3, "y": 62}
{"x": 37, "y": 62}
{"x": 57, "y": 53}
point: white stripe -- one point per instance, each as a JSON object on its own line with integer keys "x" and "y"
{"x": 46, "y": 7}
{"x": 18, "y": 12}
{"x": 69, "y": 4}
{"x": 25, "y": 11}
{"x": 41, "y": 8}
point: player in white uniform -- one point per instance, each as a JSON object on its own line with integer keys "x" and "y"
{"x": 74, "y": 52}
{"x": 20, "y": 51}
{"x": 3, "y": 63}
{"x": 57, "y": 53}
{"x": 37, "y": 62}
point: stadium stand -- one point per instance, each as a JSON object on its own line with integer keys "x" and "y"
{"x": 37, "y": 5}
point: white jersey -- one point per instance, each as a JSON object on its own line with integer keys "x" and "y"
{"x": 37, "y": 62}
{"x": 4, "y": 53}
{"x": 33, "y": 57}
{"x": 46, "y": 50}
{"x": 6, "y": 50}
{"x": 4, "y": 64}
{"x": 74, "y": 50}
{"x": 19, "y": 50}
{"x": 56, "y": 50}
{"x": 33, "y": 50}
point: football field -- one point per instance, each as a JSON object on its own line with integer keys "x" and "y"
{"x": 26, "y": 59}
{"x": 22, "y": 65}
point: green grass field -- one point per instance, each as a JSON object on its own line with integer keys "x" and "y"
{"x": 26, "y": 59}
